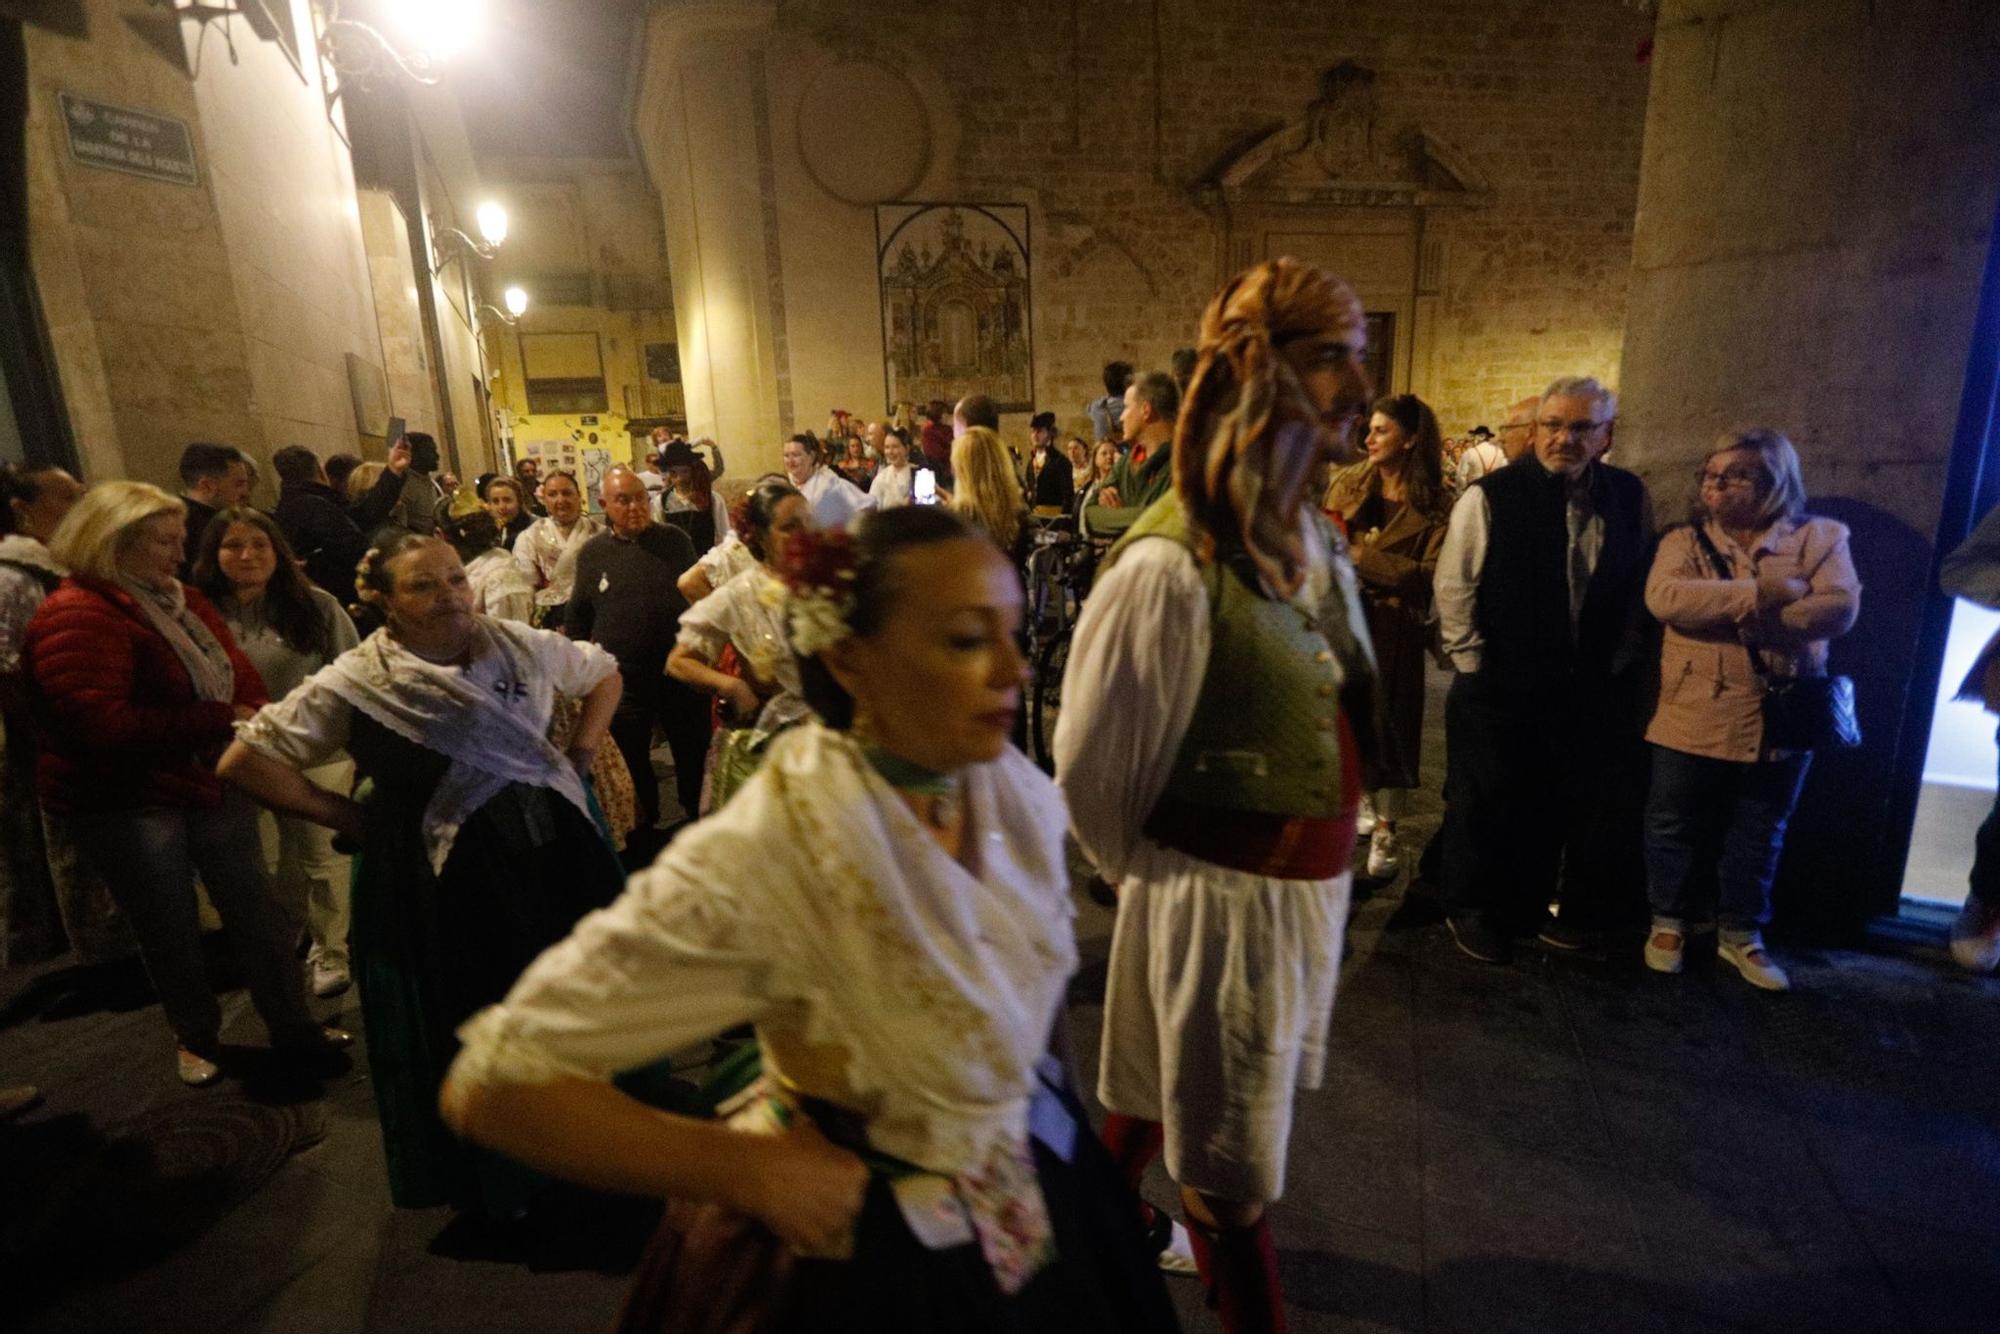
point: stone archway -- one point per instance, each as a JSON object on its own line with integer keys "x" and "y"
{"x": 1333, "y": 187}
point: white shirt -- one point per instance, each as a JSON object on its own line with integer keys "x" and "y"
{"x": 548, "y": 558}
{"x": 892, "y": 486}
{"x": 834, "y": 500}
{"x": 499, "y": 589}
{"x": 1479, "y": 458}
{"x": 1199, "y": 948}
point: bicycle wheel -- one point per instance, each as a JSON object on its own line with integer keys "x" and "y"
{"x": 1045, "y": 700}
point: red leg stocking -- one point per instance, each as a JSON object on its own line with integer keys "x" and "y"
{"x": 1134, "y": 1144}
{"x": 1239, "y": 1271}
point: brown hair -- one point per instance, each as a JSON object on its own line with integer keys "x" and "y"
{"x": 1249, "y": 438}
{"x": 1423, "y": 475}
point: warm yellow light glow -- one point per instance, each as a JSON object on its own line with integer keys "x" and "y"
{"x": 440, "y": 28}
{"x": 492, "y": 222}
{"x": 517, "y": 301}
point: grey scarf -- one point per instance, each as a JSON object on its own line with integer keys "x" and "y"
{"x": 207, "y": 662}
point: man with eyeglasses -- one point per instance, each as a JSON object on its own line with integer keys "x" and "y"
{"x": 1539, "y": 596}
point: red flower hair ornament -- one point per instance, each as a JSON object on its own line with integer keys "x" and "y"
{"x": 820, "y": 589}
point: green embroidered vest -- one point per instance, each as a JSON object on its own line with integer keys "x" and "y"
{"x": 1266, "y": 730}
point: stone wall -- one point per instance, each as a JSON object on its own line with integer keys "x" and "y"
{"x": 224, "y": 310}
{"x": 1106, "y": 118}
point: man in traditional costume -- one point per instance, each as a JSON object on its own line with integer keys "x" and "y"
{"x": 1213, "y": 775}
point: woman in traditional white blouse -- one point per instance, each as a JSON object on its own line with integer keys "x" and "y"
{"x": 478, "y": 843}
{"x": 888, "y": 903}
{"x": 745, "y": 620}
{"x": 499, "y": 589}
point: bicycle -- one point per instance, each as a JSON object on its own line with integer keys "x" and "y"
{"x": 1057, "y": 572}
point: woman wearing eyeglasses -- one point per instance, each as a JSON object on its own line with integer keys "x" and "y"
{"x": 1751, "y": 574}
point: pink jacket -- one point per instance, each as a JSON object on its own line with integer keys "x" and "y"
{"x": 1710, "y": 700}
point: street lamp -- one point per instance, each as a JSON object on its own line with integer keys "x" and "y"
{"x": 448, "y": 243}
{"x": 516, "y": 299}
{"x": 433, "y": 31}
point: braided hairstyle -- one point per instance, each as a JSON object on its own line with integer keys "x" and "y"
{"x": 1249, "y": 436}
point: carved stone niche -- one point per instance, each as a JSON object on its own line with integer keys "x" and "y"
{"x": 1335, "y": 188}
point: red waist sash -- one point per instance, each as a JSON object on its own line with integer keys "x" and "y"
{"x": 1285, "y": 847}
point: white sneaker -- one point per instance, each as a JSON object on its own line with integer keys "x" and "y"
{"x": 329, "y": 979}
{"x": 1385, "y": 853}
{"x": 1178, "y": 1257}
{"x": 1665, "y": 958}
{"x": 1364, "y": 818}
{"x": 1975, "y": 937}
{"x": 1752, "y": 960}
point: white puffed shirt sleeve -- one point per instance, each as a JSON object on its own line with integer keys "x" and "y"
{"x": 680, "y": 957}
{"x": 305, "y": 729}
{"x": 573, "y": 667}
{"x": 1129, "y": 692}
{"x": 1455, "y": 587}
{"x": 704, "y": 627}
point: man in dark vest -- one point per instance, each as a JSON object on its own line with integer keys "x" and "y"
{"x": 1539, "y": 593}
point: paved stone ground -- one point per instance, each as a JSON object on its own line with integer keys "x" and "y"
{"x": 1562, "y": 1144}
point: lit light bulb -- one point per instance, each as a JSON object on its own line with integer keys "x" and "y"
{"x": 517, "y": 301}
{"x": 440, "y": 28}
{"x": 492, "y": 220}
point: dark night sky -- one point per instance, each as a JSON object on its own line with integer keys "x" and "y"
{"x": 548, "y": 78}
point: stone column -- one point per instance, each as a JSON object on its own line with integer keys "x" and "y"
{"x": 702, "y": 106}
{"x": 1815, "y": 211}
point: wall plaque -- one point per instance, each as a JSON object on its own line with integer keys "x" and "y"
{"x": 122, "y": 139}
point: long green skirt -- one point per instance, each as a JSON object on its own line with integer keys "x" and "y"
{"x": 430, "y": 950}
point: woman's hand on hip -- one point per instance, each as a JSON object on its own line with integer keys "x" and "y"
{"x": 741, "y": 697}
{"x": 806, "y": 1189}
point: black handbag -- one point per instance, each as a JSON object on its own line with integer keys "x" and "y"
{"x": 1800, "y": 712}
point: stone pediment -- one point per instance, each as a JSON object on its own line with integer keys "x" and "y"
{"x": 1337, "y": 153}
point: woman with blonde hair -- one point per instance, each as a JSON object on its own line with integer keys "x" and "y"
{"x": 1394, "y": 504}
{"x": 140, "y": 685}
{"x": 1748, "y": 592}
{"x": 1226, "y": 818}
{"x": 986, "y": 493}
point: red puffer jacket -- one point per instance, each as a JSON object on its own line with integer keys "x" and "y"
{"x": 121, "y": 727}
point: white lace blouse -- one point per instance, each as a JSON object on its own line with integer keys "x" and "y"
{"x": 882, "y": 975}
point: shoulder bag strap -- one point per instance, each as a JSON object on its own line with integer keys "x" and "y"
{"x": 1722, "y": 571}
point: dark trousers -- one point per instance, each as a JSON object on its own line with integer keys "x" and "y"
{"x": 1986, "y": 860}
{"x": 1714, "y": 830}
{"x": 684, "y": 717}
{"x": 632, "y": 732}
{"x": 1542, "y": 790}
{"x": 149, "y": 859}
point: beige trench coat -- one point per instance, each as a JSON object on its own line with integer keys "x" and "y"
{"x": 1711, "y": 702}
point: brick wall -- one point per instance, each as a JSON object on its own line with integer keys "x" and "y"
{"x": 1103, "y": 115}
